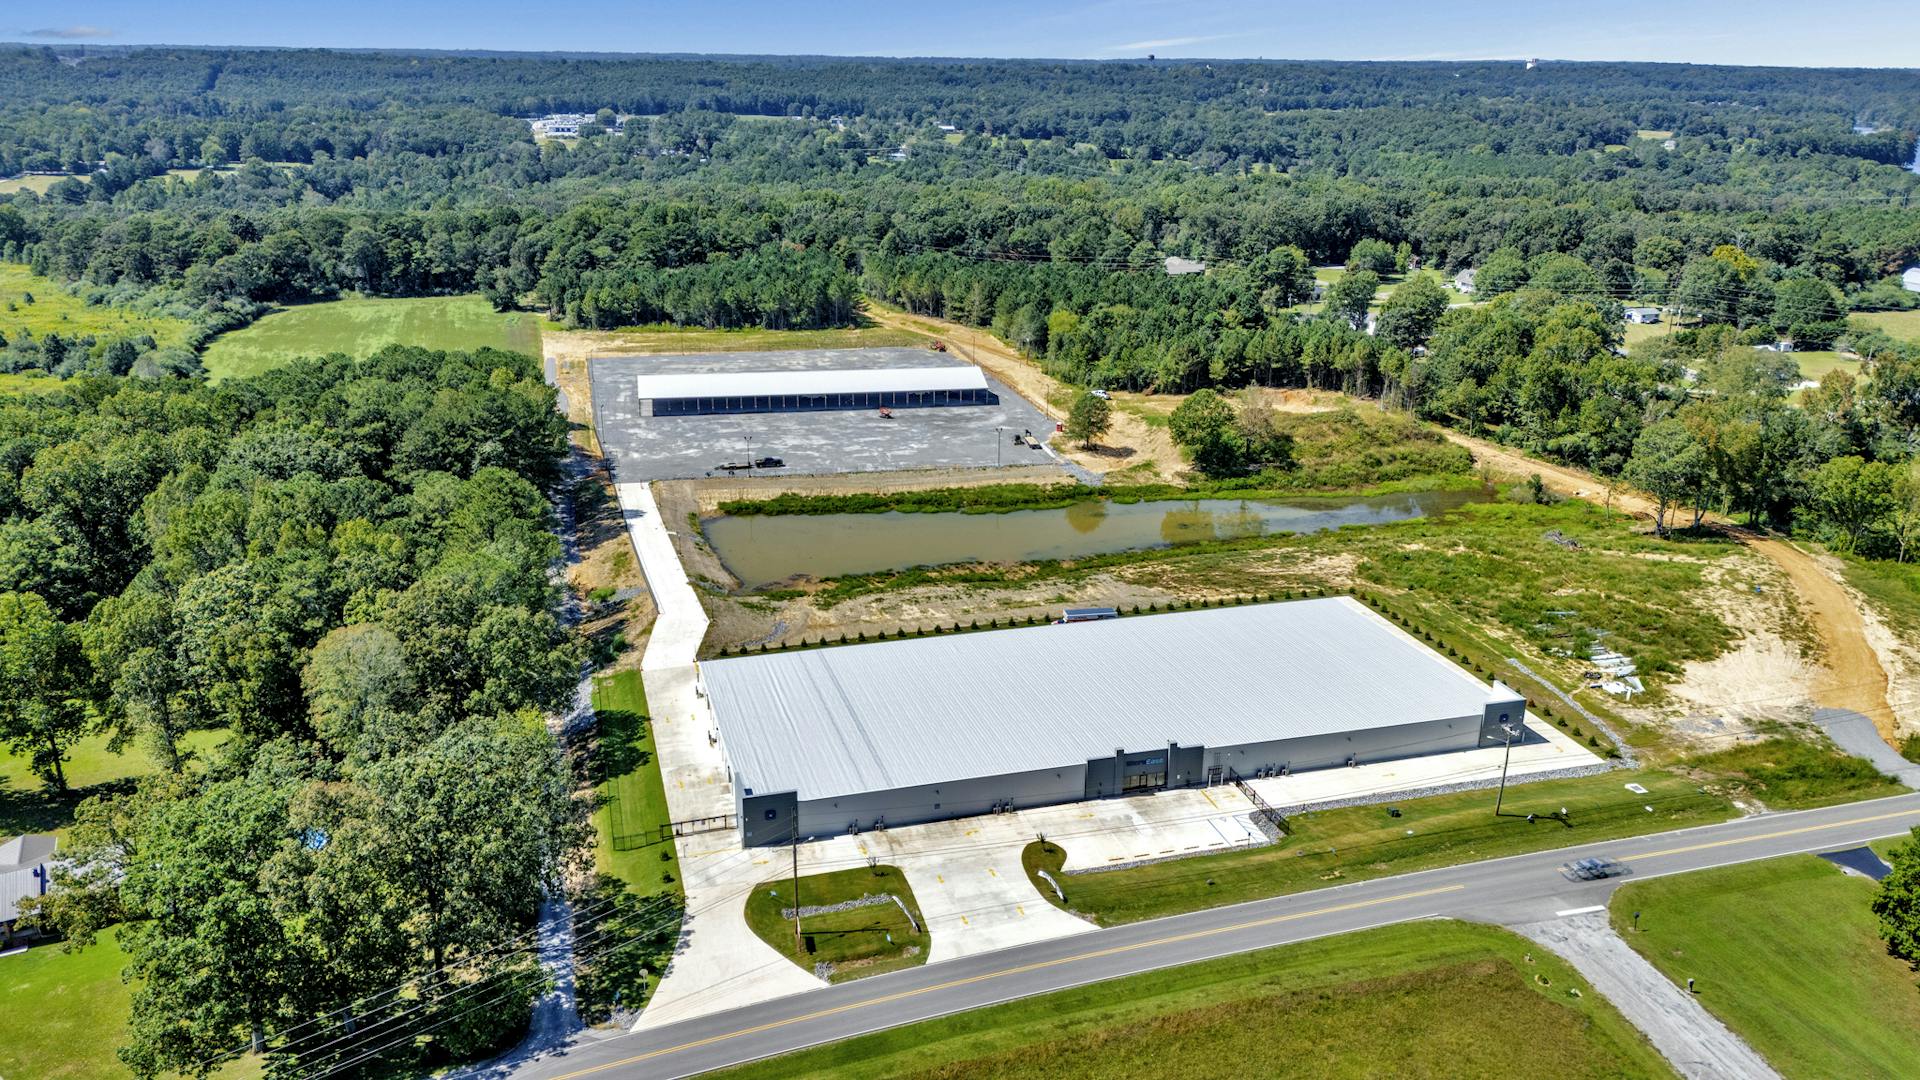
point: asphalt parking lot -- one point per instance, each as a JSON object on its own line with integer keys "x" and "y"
{"x": 686, "y": 447}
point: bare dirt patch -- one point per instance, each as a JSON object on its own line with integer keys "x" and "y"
{"x": 1848, "y": 675}
{"x": 1131, "y": 444}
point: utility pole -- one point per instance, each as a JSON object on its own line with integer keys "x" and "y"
{"x": 997, "y": 434}
{"x": 794, "y": 845}
{"x": 1505, "y": 758}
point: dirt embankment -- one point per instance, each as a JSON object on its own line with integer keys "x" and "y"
{"x": 1848, "y": 673}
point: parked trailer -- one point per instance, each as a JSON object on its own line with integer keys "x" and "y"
{"x": 1086, "y": 614}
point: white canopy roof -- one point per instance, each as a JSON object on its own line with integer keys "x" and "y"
{"x": 803, "y": 383}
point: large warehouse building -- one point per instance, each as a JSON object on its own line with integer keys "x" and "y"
{"x": 706, "y": 393}
{"x": 893, "y": 733}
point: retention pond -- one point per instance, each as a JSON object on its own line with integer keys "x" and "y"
{"x": 764, "y": 550}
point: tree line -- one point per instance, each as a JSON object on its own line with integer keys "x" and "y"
{"x": 342, "y": 566}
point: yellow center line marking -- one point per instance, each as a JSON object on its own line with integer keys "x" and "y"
{"x": 1772, "y": 835}
{"x": 1040, "y": 965}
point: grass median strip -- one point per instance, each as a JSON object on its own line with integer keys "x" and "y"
{"x": 1786, "y": 953}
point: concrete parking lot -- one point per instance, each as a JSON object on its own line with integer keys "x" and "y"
{"x": 859, "y": 440}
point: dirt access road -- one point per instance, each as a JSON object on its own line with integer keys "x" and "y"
{"x": 1850, "y": 673}
{"x": 1129, "y": 443}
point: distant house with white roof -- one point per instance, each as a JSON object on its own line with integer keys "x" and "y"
{"x": 26, "y": 869}
{"x": 1643, "y": 314}
{"x": 1177, "y": 266}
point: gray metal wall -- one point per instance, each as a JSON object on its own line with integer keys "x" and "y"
{"x": 1509, "y": 709}
{"x": 1186, "y": 766}
{"x": 765, "y": 819}
{"x": 937, "y": 802}
{"x": 1330, "y": 751}
{"x": 1108, "y": 775}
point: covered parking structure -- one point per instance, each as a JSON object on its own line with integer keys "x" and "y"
{"x": 824, "y": 741}
{"x": 710, "y": 393}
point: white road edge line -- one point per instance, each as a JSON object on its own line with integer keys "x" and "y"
{"x": 1580, "y": 911}
{"x": 942, "y": 1014}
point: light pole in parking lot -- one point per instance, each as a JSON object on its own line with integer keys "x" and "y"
{"x": 998, "y": 434}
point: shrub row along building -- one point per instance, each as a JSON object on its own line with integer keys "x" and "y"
{"x": 823, "y": 741}
{"x": 705, "y": 393}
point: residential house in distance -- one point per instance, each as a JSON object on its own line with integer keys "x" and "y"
{"x": 564, "y": 125}
{"x": 26, "y": 868}
{"x": 1176, "y": 266}
{"x": 1645, "y": 315}
{"x": 1463, "y": 281}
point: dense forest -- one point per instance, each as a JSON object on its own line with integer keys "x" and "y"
{"x": 345, "y": 565}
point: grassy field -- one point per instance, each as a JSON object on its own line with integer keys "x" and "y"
{"x": 26, "y": 805}
{"x": 1639, "y": 333}
{"x": 1900, "y": 324}
{"x": 1893, "y": 588}
{"x": 1786, "y": 953}
{"x": 1331, "y": 847}
{"x": 63, "y": 1014}
{"x": 1814, "y": 364}
{"x": 36, "y": 184}
{"x": 654, "y": 340}
{"x": 1416, "y": 1001}
{"x": 633, "y": 800}
{"x": 359, "y": 326}
{"x": 1790, "y": 774}
{"x": 55, "y": 310}
{"x": 27, "y": 382}
{"x": 860, "y": 942}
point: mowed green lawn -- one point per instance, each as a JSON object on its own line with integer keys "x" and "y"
{"x": 360, "y": 326}
{"x": 859, "y": 942}
{"x": 63, "y": 1014}
{"x": 27, "y": 805}
{"x": 37, "y": 184}
{"x": 1815, "y": 364}
{"x": 43, "y": 306}
{"x": 1900, "y": 324}
{"x": 1436, "y": 999}
{"x": 1786, "y": 952}
{"x": 632, "y": 810}
{"x": 1334, "y": 847}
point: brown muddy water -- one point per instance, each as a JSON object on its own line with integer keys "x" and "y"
{"x": 766, "y": 550}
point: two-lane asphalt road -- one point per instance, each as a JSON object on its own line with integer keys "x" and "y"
{"x": 1521, "y": 888}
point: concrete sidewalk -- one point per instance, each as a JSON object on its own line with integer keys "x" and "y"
{"x": 720, "y": 963}
{"x": 1697, "y": 1044}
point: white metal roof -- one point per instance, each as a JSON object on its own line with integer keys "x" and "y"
{"x": 836, "y": 721}
{"x": 767, "y": 383}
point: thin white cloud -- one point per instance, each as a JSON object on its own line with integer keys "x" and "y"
{"x": 1166, "y": 43}
{"x": 68, "y": 33}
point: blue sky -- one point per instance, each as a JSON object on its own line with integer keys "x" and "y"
{"x": 1872, "y": 33}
